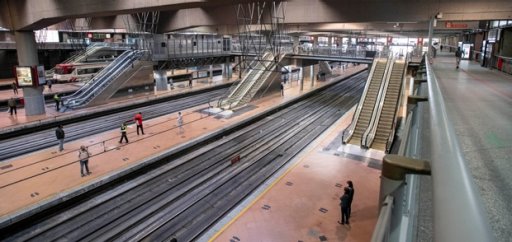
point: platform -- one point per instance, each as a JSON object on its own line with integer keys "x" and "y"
{"x": 303, "y": 203}
{"x": 10, "y": 122}
{"x": 21, "y": 177}
{"x": 479, "y": 104}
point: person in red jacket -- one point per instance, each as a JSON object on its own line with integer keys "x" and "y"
{"x": 138, "y": 121}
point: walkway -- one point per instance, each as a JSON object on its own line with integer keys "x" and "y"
{"x": 479, "y": 103}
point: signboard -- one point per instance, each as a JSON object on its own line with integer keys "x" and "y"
{"x": 452, "y": 25}
{"x": 420, "y": 41}
{"x": 389, "y": 40}
{"x": 41, "y": 79}
{"x": 24, "y": 76}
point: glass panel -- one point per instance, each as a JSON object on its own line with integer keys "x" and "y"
{"x": 503, "y": 23}
{"x": 495, "y": 23}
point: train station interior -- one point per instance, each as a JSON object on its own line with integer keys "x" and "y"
{"x": 256, "y": 120}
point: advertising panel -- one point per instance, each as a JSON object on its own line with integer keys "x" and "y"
{"x": 41, "y": 79}
{"x": 24, "y": 76}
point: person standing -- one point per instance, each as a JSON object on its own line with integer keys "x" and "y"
{"x": 282, "y": 89}
{"x": 56, "y": 98}
{"x": 344, "y": 203}
{"x": 14, "y": 88}
{"x": 138, "y": 121}
{"x": 458, "y": 56}
{"x": 59, "y": 132}
{"x": 123, "y": 133}
{"x": 190, "y": 81}
{"x": 350, "y": 185}
{"x": 83, "y": 155}
{"x": 180, "y": 123}
{"x": 12, "y": 106}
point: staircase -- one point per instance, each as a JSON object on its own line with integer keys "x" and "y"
{"x": 363, "y": 121}
{"x": 389, "y": 107}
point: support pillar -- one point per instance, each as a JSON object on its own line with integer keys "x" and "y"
{"x": 301, "y": 79}
{"x": 296, "y": 44}
{"x": 430, "y": 32}
{"x": 227, "y": 69}
{"x": 26, "y": 48}
{"x": 312, "y": 75}
{"x": 161, "y": 80}
{"x": 211, "y": 72}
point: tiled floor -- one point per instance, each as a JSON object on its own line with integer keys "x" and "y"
{"x": 21, "y": 177}
{"x": 303, "y": 204}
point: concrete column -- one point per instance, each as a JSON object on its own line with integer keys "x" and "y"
{"x": 430, "y": 32}
{"x": 161, "y": 80}
{"x": 211, "y": 72}
{"x": 227, "y": 69}
{"x": 296, "y": 44}
{"x": 312, "y": 74}
{"x": 301, "y": 79}
{"x": 26, "y": 48}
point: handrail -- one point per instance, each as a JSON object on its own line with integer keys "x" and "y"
{"x": 377, "y": 109}
{"x": 458, "y": 211}
{"x": 349, "y": 131}
{"x": 397, "y": 109}
{"x": 381, "y": 231}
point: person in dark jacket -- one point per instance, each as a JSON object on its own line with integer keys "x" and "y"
{"x": 458, "y": 56}
{"x": 351, "y": 195}
{"x": 14, "y": 88}
{"x": 12, "y": 106}
{"x": 57, "y": 99}
{"x": 59, "y": 132}
{"x": 344, "y": 203}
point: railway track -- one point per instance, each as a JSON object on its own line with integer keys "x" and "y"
{"x": 187, "y": 195}
{"x": 23, "y": 144}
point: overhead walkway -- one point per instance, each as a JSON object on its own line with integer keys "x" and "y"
{"x": 380, "y": 134}
{"x": 354, "y": 133}
{"x": 123, "y": 69}
{"x": 252, "y": 82}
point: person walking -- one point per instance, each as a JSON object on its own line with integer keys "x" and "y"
{"x": 12, "y": 106}
{"x": 138, "y": 121}
{"x": 344, "y": 203}
{"x": 56, "y": 98}
{"x": 123, "y": 133}
{"x": 49, "y": 83}
{"x": 282, "y": 89}
{"x": 190, "y": 81}
{"x": 14, "y": 88}
{"x": 458, "y": 56}
{"x": 59, "y": 132}
{"x": 180, "y": 123}
{"x": 83, "y": 155}
{"x": 350, "y": 185}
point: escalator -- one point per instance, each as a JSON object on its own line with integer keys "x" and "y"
{"x": 387, "y": 114}
{"x": 253, "y": 76}
{"x": 353, "y": 134}
{"x": 108, "y": 80}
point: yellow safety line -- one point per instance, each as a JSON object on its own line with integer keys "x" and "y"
{"x": 254, "y": 201}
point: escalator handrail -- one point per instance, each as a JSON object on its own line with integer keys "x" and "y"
{"x": 369, "y": 134}
{"x": 349, "y": 131}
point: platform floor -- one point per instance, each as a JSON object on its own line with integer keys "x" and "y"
{"x": 21, "y": 178}
{"x": 303, "y": 203}
{"x": 479, "y": 104}
{"x": 8, "y": 121}
{"x": 56, "y": 88}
